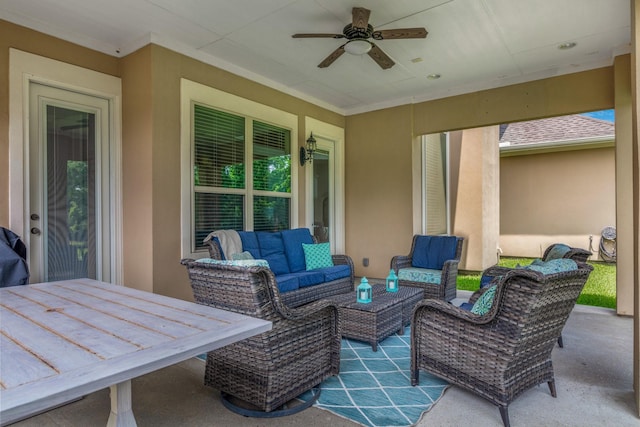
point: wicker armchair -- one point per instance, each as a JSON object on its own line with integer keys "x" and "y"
{"x": 268, "y": 370}
{"x": 576, "y": 254}
{"x": 500, "y": 354}
{"x": 447, "y": 274}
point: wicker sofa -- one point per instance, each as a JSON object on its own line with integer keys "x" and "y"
{"x": 298, "y": 353}
{"x": 500, "y": 354}
{"x": 283, "y": 251}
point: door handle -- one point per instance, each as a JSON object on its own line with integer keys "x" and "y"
{"x": 35, "y": 230}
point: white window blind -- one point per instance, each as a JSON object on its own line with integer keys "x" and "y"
{"x": 435, "y": 184}
{"x": 222, "y": 187}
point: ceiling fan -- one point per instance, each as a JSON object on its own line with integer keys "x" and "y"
{"x": 358, "y": 34}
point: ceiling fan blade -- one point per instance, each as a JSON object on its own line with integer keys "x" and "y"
{"x": 360, "y": 17}
{"x": 318, "y": 35}
{"x": 400, "y": 33}
{"x": 332, "y": 57}
{"x": 380, "y": 57}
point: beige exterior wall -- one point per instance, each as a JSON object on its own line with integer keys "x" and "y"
{"x": 378, "y": 191}
{"x": 556, "y": 197}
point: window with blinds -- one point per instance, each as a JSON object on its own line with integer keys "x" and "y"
{"x": 435, "y": 183}
{"x": 223, "y": 184}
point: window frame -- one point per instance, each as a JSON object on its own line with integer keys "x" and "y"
{"x": 195, "y": 93}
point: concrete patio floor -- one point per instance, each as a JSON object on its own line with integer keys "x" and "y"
{"x": 593, "y": 380}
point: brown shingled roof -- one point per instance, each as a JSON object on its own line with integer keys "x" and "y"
{"x": 555, "y": 129}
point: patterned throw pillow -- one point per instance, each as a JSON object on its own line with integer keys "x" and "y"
{"x": 484, "y": 303}
{"x": 317, "y": 255}
{"x": 554, "y": 266}
{"x": 237, "y": 263}
{"x": 241, "y": 256}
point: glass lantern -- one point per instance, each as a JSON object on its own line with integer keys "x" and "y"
{"x": 392, "y": 281}
{"x": 363, "y": 291}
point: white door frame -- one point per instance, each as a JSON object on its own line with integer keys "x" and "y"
{"x": 25, "y": 68}
{"x": 325, "y": 132}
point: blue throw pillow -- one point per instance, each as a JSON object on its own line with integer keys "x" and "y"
{"x": 317, "y": 255}
{"x": 484, "y": 303}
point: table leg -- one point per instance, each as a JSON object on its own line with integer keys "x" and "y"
{"x": 121, "y": 413}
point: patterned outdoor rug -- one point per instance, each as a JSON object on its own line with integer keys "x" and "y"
{"x": 374, "y": 388}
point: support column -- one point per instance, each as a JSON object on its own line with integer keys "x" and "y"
{"x": 477, "y": 216}
{"x": 634, "y": 230}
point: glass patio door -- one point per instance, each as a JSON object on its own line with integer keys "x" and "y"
{"x": 69, "y": 185}
{"x": 321, "y": 196}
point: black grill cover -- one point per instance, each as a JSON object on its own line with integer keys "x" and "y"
{"x": 13, "y": 259}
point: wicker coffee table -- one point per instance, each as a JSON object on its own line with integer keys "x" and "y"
{"x": 387, "y": 313}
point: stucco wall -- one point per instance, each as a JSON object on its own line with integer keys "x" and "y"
{"x": 556, "y": 197}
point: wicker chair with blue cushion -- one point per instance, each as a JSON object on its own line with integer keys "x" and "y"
{"x": 552, "y": 252}
{"x": 432, "y": 264}
{"x": 500, "y": 353}
{"x": 268, "y": 370}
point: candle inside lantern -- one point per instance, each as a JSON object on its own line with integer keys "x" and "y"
{"x": 363, "y": 292}
{"x": 392, "y": 281}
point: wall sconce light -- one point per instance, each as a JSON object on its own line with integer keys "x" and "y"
{"x": 307, "y": 154}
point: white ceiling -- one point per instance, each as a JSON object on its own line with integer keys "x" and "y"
{"x": 472, "y": 44}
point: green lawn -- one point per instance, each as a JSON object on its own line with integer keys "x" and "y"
{"x": 599, "y": 291}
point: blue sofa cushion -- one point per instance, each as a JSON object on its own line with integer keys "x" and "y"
{"x": 466, "y": 306}
{"x": 272, "y": 249}
{"x": 432, "y": 251}
{"x": 293, "y": 240}
{"x": 287, "y": 282}
{"x": 486, "y": 279}
{"x": 309, "y": 278}
{"x": 250, "y": 243}
{"x": 336, "y": 272}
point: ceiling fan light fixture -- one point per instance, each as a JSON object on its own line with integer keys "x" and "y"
{"x": 357, "y": 47}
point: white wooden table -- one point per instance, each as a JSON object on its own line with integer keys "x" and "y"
{"x": 62, "y": 340}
